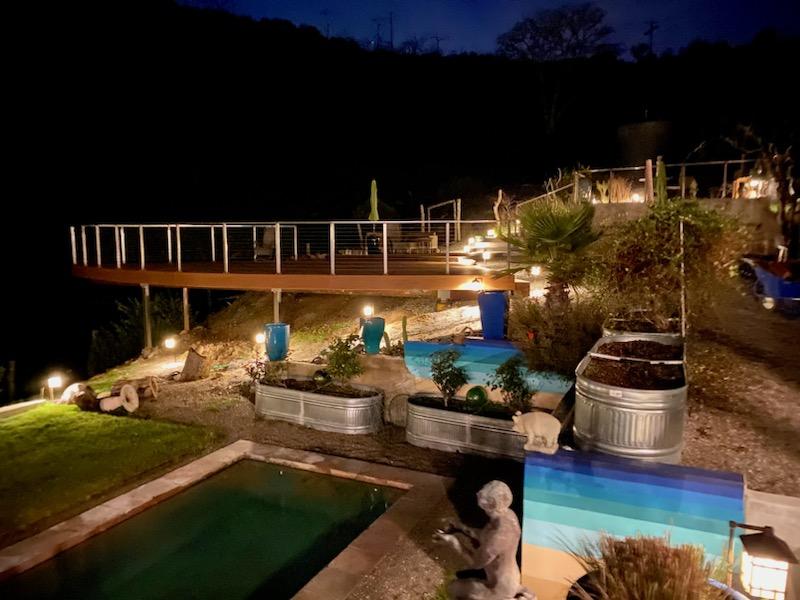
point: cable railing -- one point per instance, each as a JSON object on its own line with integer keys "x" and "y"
{"x": 413, "y": 247}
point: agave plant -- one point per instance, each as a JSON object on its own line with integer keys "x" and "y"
{"x": 554, "y": 233}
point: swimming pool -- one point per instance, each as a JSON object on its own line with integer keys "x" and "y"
{"x": 252, "y": 530}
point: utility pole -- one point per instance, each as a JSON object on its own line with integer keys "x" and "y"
{"x": 377, "y": 22}
{"x": 327, "y": 14}
{"x": 651, "y": 29}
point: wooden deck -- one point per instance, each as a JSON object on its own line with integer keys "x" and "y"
{"x": 353, "y": 273}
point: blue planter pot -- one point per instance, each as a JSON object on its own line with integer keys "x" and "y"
{"x": 493, "y": 306}
{"x": 372, "y": 333}
{"x": 277, "y": 342}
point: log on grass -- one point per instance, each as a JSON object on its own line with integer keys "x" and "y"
{"x": 86, "y": 399}
{"x": 146, "y": 387}
{"x": 195, "y": 366}
{"x": 126, "y": 401}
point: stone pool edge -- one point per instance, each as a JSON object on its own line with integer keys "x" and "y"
{"x": 335, "y": 581}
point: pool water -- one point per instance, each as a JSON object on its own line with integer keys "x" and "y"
{"x": 254, "y": 530}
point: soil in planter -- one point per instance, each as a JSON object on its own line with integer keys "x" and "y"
{"x": 493, "y": 410}
{"x": 634, "y": 374}
{"x": 329, "y": 389}
{"x": 643, "y": 349}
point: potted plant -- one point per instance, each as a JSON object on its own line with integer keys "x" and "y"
{"x": 328, "y": 403}
{"x": 646, "y": 567}
{"x": 448, "y": 423}
{"x": 514, "y": 386}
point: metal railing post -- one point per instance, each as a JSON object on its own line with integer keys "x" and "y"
{"x": 116, "y": 247}
{"x": 255, "y": 241}
{"x": 141, "y": 247}
{"x": 123, "y": 244}
{"x": 213, "y": 246}
{"x": 294, "y": 229}
{"x": 97, "y": 245}
{"x": 83, "y": 246}
{"x": 447, "y": 248}
{"x": 385, "y": 248}
{"x": 682, "y": 178}
{"x": 225, "y": 247}
{"x": 724, "y": 179}
{"x": 333, "y": 248}
{"x": 74, "y": 246}
{"x": 169, "y": 243}
{"x": 278, "y": 248}
{"x": 178, "y": 244}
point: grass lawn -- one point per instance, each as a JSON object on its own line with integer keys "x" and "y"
{"x": 56, "y": 459}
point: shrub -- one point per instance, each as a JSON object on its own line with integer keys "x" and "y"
{"x": 637, "y": 264}
{"x": 556, "y": 337}
{"x": 263, "y": 370}
{"x": 511, "y": 378}
{"x": 639, "y": 567}
{"x": 342, "y": 358}
{"x": 446, "y": 376}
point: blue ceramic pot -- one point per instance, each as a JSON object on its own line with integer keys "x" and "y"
{"x": 494, "y": 306}
{"x": 372, "y": 333}
{"x": 277, "y": 340}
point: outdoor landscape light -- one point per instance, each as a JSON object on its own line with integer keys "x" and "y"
{"x": 486, "y": 255}
{"x": 491, "y": 233}
{"x": 369, "y": 310}
{"x": 471, "y": 241}
{"x": 467, "y": 262}
{"x": 536, "y": 270}
{"x": 261, "y": 338}
{"x": 536, "y": 293}
{"x": 170, "y": 343}
{"x": 765, "y": 561}
{"x": 636, "y": 197}
{"x": 467, "y": 249}
{"x": 54, "y": 382}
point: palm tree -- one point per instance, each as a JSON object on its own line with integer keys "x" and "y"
{"x": 554, "y": 233}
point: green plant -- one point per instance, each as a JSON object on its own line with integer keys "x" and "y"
{"x": 510, "y": 378}
{"x": 639, "y": 568}
{"x": 602, "y": 189}
{"x": 556, "y": 337}
{"x": 342, "y": 358}
{"x": 263, "y": 370}
{"x": 446, "y": 376}
{"x": 637, "y": 264}
{"x": 555, "y": 233}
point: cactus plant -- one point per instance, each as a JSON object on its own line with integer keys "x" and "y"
{"x": 602, "y": 188}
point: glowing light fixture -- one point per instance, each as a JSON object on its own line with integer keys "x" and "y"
{"x": 486, "y": 255}
{"x": 53, "y": 383}
{"x": 368, "y": 310}
{"x": 467, "y": 249}
{"x": 471, "y": 241}
{"x": 536, "y": 270}
{"x": 261, "y": 338}
{"x": 467, "y": 262}
{"x": 170, "y": 343}
{"x": 636, "y": 197}
{"x": 765, "y": 561}
{"x": 491, "y": 233}
{"x": 536, "y": 293}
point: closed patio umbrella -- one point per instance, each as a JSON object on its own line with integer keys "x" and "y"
{"x": 373, "y": 202}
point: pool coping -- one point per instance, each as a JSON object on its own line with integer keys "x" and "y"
{"x": 334, "y": 582}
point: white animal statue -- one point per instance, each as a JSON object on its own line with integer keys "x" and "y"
{"x": 541, "y": 428}
{"x": 493, "y": 549}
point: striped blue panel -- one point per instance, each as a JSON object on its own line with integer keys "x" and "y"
{"x": 574, "y": 495}
{"x": 480, "y": 358}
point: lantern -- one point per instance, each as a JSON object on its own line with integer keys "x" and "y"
{"x": 765, "y": 562}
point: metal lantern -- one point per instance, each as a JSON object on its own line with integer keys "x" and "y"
{"x": 765, "y": 562}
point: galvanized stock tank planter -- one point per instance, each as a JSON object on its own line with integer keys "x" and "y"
{"x": 635, "y": 423}
{"x": 322, "y": 411}
{"x": 453, "y": 431}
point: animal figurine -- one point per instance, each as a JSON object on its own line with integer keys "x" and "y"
{"x": 541, "y": 428}
{"x": 492, "y": 548}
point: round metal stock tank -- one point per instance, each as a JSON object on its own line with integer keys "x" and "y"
{"x": 634, "y": 423}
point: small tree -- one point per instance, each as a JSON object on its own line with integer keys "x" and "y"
{"x": 342, "y": 358}
{"x": 514, "y": 386}
{"x": 268, "y": 372}
{"x": 446, "y": 376}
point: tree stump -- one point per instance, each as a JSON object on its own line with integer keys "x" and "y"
{"x": 86, "y": 399}
{"x": 195, "y": 366}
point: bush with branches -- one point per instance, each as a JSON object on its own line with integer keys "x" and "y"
{"x": 446, "y": 375}
{"x": 511, "y": 378}
{"x": 342, "y": 358}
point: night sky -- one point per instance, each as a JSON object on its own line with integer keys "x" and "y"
{"x": 473, "y": 25}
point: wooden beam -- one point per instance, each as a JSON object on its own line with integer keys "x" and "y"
{"x": 292, "y": 282}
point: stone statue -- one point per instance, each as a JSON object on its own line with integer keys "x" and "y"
{"x": 493, "y": 549}
{"x": 541, "y": 428}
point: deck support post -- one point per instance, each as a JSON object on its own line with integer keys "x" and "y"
{"x": 276, "y": 305}
{"x": 123, "y": 245}
{"x": 447, "y": 248}
{"x": 141, "y": 247}
{"x": 332, "y": 248}
{"x": 278, "y": 248}
{"x": 385, "y": 237}
{"x": 97, "y": 245}
{"x": 186, "y": 323}
{"x": 148, "y": 330}
{"x": 225, "y": 247}
{"x": 83, "y": 246}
